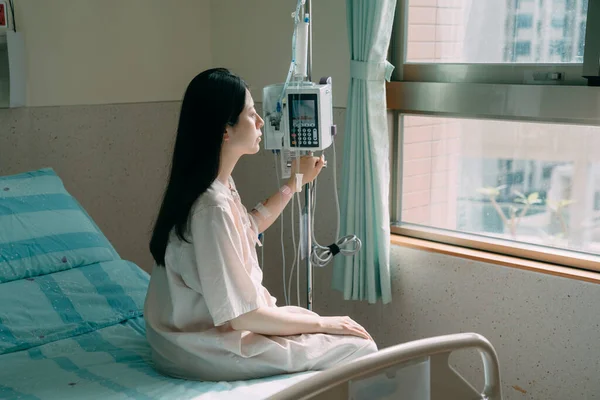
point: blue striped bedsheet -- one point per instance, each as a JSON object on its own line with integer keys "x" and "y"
{"x": 51, "y": 307}
{"x": 43, "y": 229}
{"x": 114, "y": 363}
{"x": 80, "y": 334}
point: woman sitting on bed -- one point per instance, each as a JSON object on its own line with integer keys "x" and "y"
{"x": 207, "y": 314}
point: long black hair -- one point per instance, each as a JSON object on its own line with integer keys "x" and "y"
{"x": 213, "y": 100}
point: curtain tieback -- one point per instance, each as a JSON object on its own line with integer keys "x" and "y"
{"x": 371, "y": 71}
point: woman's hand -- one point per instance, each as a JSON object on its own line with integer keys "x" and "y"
{"x": 308, "y": 166}
{"x": 343, "y": 326}
{"x": 285, "y": 321}
{"x": 333, "y": 325}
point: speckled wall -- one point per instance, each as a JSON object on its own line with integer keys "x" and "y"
{"x": 114, "y": 160}
{"x": 545, "y": 329}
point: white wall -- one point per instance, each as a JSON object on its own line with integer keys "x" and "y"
{"x": 254, "y": 39}
{"x": 112, "y": 51}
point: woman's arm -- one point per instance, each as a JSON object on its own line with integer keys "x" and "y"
{"x": 267, "y": 212}
{"x": 276, "y": 321}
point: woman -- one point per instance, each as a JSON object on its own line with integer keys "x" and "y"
{"x": 208, "y": 317}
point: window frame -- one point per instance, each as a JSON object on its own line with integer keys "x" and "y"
{"x": 571, "y": 74}
{"x": 485, "y": 91}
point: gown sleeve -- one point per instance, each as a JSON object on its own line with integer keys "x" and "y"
{"x": 222, "y": 277}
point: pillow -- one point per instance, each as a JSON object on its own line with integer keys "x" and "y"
{"x": 64, "y": 304}
{"x": 44, "y": 229}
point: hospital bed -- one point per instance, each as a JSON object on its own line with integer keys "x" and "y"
{"x": 71, "y": 323}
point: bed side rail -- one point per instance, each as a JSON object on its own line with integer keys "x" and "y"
{"x": 437, "y": 348}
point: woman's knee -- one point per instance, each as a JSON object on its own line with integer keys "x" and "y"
{"x": 362, "y": 347}
{"x": 368, "y": 347}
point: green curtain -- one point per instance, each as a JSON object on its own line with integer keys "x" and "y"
{"x": 366, "y": 176}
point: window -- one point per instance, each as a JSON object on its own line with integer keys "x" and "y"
{"x": 520, "y": 3}
{"x": 581, "y": 41}
{"x": 512, "y": 166}
{"x": 557, "y": 47}
{"x": 522, "y": 48}
{"x": 524, "y": 21}
{"x": 558, "y": 23}
{"x": 528, "y": 182}
{"x": 463, "y": 31}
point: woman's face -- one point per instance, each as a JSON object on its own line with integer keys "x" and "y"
{"x": 245, "y": 136}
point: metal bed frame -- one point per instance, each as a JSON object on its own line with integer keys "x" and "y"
{"x": 445, "y": 382}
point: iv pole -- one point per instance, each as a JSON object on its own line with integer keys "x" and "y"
{"x": 307, "y": 187}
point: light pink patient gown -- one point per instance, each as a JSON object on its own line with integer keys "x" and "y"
{"x": 214, "y": 279}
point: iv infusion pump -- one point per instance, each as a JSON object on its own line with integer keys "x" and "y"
{"x": 303, "y": 121}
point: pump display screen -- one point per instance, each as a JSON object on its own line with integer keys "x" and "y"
{"x": 304, "y": 120}
{"x": 304, "y": 110}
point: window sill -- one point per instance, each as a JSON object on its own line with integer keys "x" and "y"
{"x": 498, "y": 259}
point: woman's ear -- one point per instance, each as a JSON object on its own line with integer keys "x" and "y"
{"x": 226, "y": 136}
